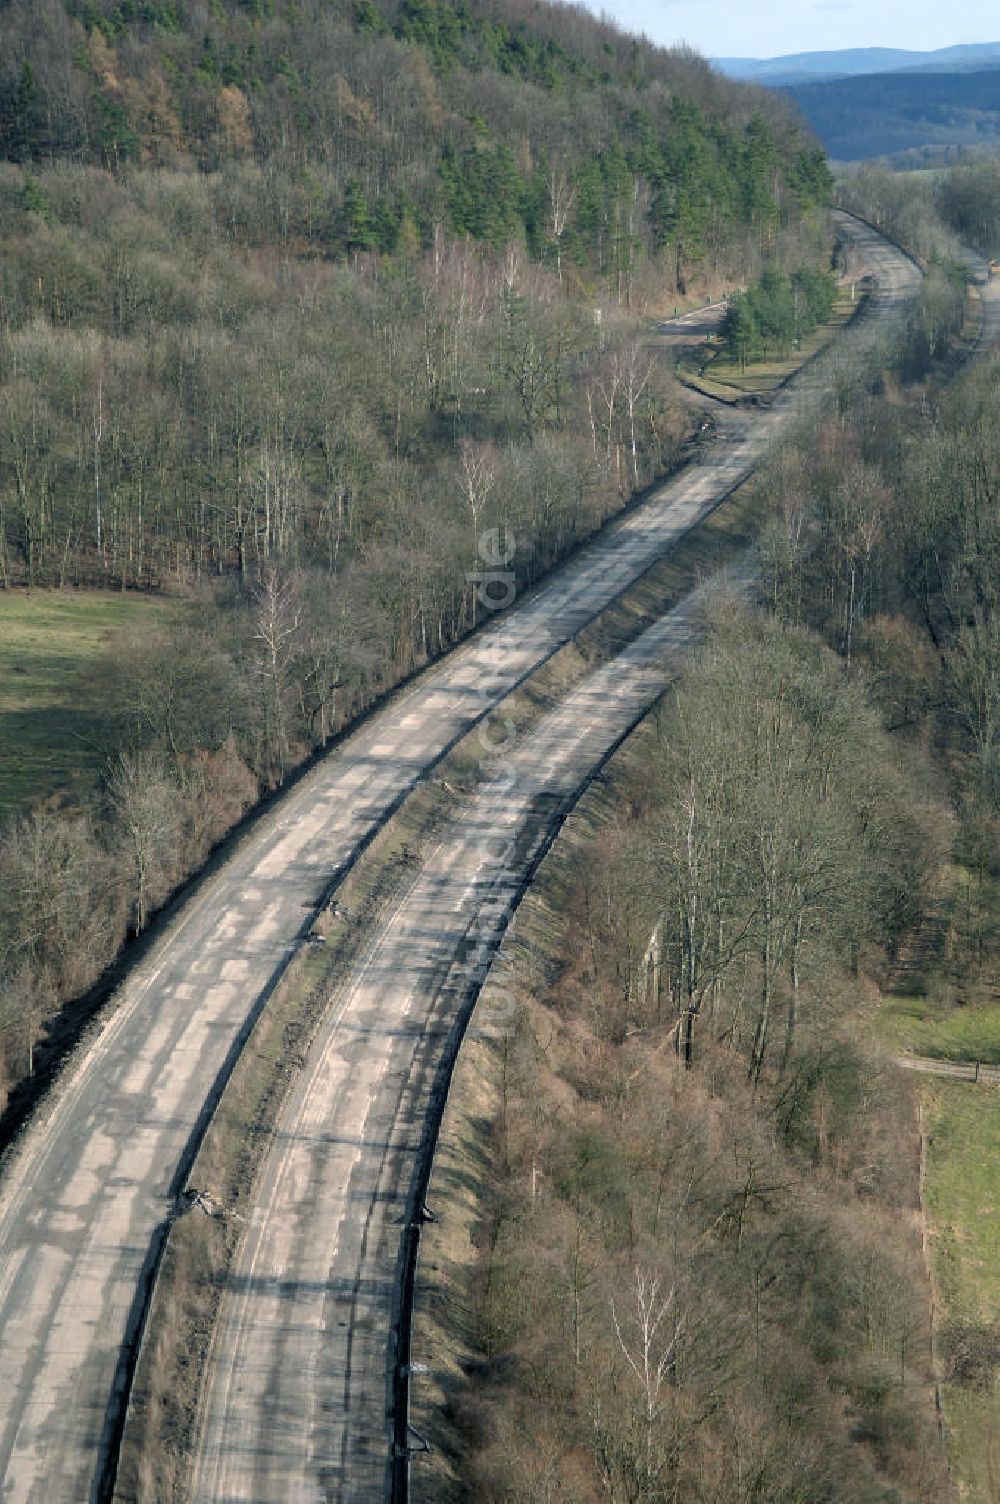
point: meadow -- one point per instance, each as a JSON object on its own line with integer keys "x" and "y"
{"x": 50, "y": 718}
{"x": 962, "y": 1194}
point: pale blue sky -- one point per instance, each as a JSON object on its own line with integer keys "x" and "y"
{"x": 736, "y": 28}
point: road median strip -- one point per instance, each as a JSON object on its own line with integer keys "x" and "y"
{"x": 164, "y": 1412}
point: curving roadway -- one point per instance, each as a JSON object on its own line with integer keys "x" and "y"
{"x": 300, "y": 1401}
{"x": 88, "y": 1192}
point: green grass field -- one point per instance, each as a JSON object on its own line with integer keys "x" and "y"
{"x": 942, "y": 1030}
{"x": 963, "y": 1195}
{"x": 48, "y": 720}
{"x": 963, "y": 1207}
{"x": 962, "y": 1187}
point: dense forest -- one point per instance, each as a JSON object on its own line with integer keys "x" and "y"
{"x": 695, "y": 1268}
{"x": 233, "y": 276}
{"x": 374, "y": 123}
{"x": 294, "y": 301}
{"x": 903, "y": 115}
{"x": 969, "y": 200}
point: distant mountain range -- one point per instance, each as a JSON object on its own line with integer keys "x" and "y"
{"x": 913, "y": 107}
{"x": 902, "y": 114}
{"x": 813, "y": 67}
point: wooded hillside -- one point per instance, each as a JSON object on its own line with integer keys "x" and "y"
{"x": 294, "y": 302}
{"x": 187, "y": 182}
{"x": 912, "y": 114}
{"x": 380, "y": 119}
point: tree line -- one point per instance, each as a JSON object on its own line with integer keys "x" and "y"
{"x": 776, "y": 313}
{"x": 931, "y": 213}
{"x": 171, "y": 410}
{"x": 885, "y": 540}
{"x": 382, "y": 121}
{"x": 689, "y": 1280}
{"x": 692, "y": 1221}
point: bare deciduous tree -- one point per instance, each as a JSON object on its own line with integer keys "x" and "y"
{"x": 145, "y": 804}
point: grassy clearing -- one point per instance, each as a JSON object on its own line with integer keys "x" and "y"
{"x": 942, "y": 1029}
{"x": 942, "y": 1010}
{"x": 974, "y": 1444}
{"x": 719, "y": 377}
{"x": 963, "y": 1196}
{"x": 49, "y": 729}
{"x": 963, "y": 1207}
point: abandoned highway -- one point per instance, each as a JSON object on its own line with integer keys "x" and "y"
{"x": 301, "y": 1389}
{"x": 297, "y": 1399}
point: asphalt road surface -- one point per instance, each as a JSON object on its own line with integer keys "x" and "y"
{"x": 301, "y": 1393}
{"x": 92, "y": 1183}
{"x": 691, "y": 328}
